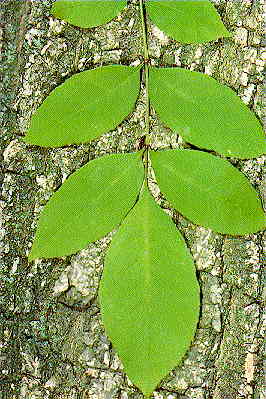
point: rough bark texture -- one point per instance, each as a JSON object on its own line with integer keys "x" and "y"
{"x": 53, "y": 344}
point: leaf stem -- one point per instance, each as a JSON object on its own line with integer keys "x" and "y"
{"x": 146, "y": 80}
{"x": 146, "y": 69}
{"x": 144, "y": 31}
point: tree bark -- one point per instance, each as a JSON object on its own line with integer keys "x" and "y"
{"x": 53, "y": 344}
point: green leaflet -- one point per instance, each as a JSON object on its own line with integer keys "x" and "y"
{"x": 149, "y": 294}
{"x": 171, "y": 16}
{"x": 205, "y": 112}
{"x": 87, "y": 13}
{"x": 187, "y": 21}
{"x": 84, "y": 106}
{"x": 209, "y": 191}
{"x": 88, "y": 205}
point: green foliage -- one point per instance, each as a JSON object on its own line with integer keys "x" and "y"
{"x": 209, "y": 191}
{"x": 89, "y": 205}
{"x": 170, "y": 16}
{"x": 85, "y": 106}
{"x": 187, "y": 21}
{"x": 149, "y": 294}
{"x": 87, "y": 14}
{"x": 205, "y": 112}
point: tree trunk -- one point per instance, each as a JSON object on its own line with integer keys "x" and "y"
{"x": 53, "y": 343}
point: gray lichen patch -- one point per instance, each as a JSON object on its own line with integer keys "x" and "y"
{"x": 204, "y": 249}
{"x": 79, "y": 283}
{"x": 242, "y": 316}
{"x": 243, "y": 264}
{"x": 232, "y": 359}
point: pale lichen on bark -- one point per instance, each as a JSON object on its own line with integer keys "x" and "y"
{"x": 53, "y": 343}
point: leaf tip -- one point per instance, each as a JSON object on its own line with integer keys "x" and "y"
{"x": 35, "y": 252}
{"x": 26, "y": 140}
{"x": 30, "y": 138}
{"x": 31, "y": 256}
{"x": 227, "y": 34}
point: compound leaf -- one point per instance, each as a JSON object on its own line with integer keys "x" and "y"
{"x": 88, "y": 205}
{"x": 149, "y": 294}
{"x": 187, "y": 21}
{"x": 205, "y": 112}
{"x": 209, "y": 191}
{"x": 87, "y": 13}
{"x": 85, "y": 106}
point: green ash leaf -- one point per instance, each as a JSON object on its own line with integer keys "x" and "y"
{"x": 88, "y": 205}
{"x": 87, "y": 14}
{"x": 209, "y": 191}
{"x": 187, "y": 21}
{"x": 85, "y": 106}
{"x": 149, "y": 294}
{"x": 206, "y": 113}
